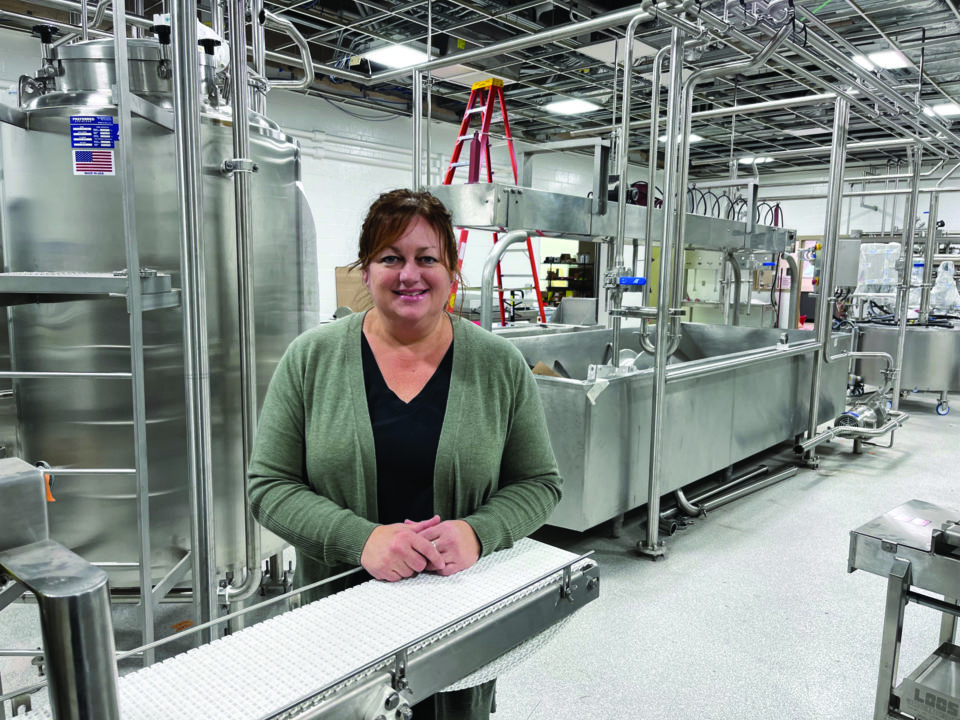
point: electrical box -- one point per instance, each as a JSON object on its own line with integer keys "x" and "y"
{"x": 848, "y": 262}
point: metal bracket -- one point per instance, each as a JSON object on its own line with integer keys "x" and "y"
{"x": 567, "y": 588}
{"x": 400, "y": 682}
{"x": 235, "y": 165}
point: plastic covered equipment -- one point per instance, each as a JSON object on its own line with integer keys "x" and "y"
{"x": 944, "y": 295}
{"x": 877, "y": 273}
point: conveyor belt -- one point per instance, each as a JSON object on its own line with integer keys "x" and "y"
{"x": 332, "y": 643}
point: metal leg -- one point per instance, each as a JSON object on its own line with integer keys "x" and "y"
{"x": 897, "y": 586}
{"x": 616, "y": 528}
{"x": 948, "y": 623}
{"x": 857, "y": 446}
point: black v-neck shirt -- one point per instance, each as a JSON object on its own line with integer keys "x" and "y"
{"x": 406, "y": 437}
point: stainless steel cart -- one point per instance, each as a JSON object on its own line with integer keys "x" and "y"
{"x": 917, "y": 548}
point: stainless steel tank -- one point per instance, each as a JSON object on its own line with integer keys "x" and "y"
{"x": 53, "y": 220}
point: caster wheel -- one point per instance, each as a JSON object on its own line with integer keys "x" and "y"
{"x": 943, "y": 409}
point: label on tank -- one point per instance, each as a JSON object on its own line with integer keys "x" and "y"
{"x": 93, "y": 162}
{"x": 93, "y": 131}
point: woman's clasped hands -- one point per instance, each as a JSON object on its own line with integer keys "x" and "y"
{"x": 398, "y": 551}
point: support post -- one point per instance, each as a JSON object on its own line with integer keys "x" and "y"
{"x": 841, "y": 124}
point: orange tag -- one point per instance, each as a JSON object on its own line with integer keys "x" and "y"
{"x": 182, "y": 625}
{"x": 46, "y": 484}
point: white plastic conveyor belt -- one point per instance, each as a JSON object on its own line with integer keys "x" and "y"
{"x": 291, "y": 665}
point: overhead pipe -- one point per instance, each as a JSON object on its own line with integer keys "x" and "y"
{"x": 745, "y": 109}
{"x": 490, "y": 271}
{"x": 841, "y": 124}
{"x": 909, "y": 236}
{"x": 249, "y": 583}
{"x": 186, "y": 116}
{"x": 862, "y": 193}
{"x": 279, "y": 23}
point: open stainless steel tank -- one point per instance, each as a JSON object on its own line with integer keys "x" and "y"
{"x": 54, "y": 220}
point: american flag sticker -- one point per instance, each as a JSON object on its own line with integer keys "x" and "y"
{"x": 93, "y": 162}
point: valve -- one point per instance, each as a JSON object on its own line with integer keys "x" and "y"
{"x": 209, "y": 45}
{"x": 162, "y": 32}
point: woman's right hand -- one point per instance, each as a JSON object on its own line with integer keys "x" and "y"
{"x": 394, "y": 552}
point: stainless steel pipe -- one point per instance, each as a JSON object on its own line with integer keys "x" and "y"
{"x": 929, "y": 250}
{"x": 186, "y": 84}
{"x": 841, "y": 124}
{"x": 490, "y": 271}
{"x": 897, "y": 419}
{"x": 909, "y": 235}
{"x": 418, "y": 129}
{"x": 250, "y": 583}
{"x": 284, "y": 25}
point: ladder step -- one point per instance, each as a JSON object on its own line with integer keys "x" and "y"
{"x": 467, "y": 137}
{"x": 498, "y": 288}
{"x": 474, "y": 111}
{"x": 459, "y": 164}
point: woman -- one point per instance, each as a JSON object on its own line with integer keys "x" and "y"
{"x": 403, "y": 439}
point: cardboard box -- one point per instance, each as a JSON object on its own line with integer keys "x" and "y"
{"x": 351, "y": 292}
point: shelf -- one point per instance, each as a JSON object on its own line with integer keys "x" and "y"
{"x": 934, "y": 686}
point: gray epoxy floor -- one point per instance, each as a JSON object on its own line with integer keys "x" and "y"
{"x": 752, "y": 614}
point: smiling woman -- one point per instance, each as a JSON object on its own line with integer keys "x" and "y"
{"x": 405, "y": 439}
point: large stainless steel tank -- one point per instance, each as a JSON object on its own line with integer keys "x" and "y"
{"x": 54, "y": 220}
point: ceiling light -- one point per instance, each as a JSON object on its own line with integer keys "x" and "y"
{"x": 396, "y": 56}
{"x": 804, "y": 132}
{"x": 943, "y": 110}
{"x": 889, "y": 59}
{"x": 572, "y": 106}
{"x": 754, "y": 160}
{"x": 693, "y": 138}
{"x": 862, "y": 61}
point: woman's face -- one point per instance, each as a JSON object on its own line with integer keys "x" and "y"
{"x": 407, "y": 280}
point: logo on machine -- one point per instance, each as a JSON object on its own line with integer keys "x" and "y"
{"x": 932, "y": 700}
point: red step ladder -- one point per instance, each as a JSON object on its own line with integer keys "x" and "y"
{"x": 483, "y": 95}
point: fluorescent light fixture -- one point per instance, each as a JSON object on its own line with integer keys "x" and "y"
{"x": 396, "y": 56}
{"x": 889, "y": 59}
{"x": 862, "y": 61}
{"x": 943, "y": 110}
{"x": 804, "y": 132}
{"x": 693, "y": 138}
{"x": 751, "y": 160}
{"x": 573, "y": 106}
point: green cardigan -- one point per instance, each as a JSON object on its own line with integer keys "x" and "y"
{"x": 313, "y": 474}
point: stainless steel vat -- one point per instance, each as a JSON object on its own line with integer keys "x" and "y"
{"x": 56, "y": 221}
{"x": 601, "y": 431}
{"x": 931, "y": 356}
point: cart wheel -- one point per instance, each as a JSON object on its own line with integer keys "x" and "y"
{"x": 943, "y": 409}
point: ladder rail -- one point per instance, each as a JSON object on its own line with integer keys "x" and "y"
{"x": 483, "y": 97}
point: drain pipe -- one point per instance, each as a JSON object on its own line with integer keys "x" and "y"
{"x": 841, "y": 122}
{"x": 490, "y": 271}
{"x": 241, "y": 167}
{"x": 728, "y": 492}
{"x": 909, "y": 235}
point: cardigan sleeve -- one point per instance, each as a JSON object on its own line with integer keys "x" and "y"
{"x": 529, "y": 487}
{"x": 281, "y": 497}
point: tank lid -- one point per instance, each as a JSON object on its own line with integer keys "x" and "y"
{"x": 142, "y": 49}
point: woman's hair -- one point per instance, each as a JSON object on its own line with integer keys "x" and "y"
{"x": 390, "y": 216}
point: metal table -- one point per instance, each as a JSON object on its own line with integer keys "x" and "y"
{"x": 917, "y": 548}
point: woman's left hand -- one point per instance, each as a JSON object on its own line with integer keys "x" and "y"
{"x": 456, "y": 542}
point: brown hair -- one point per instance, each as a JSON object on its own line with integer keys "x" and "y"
{"x": 391, "y": 214}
